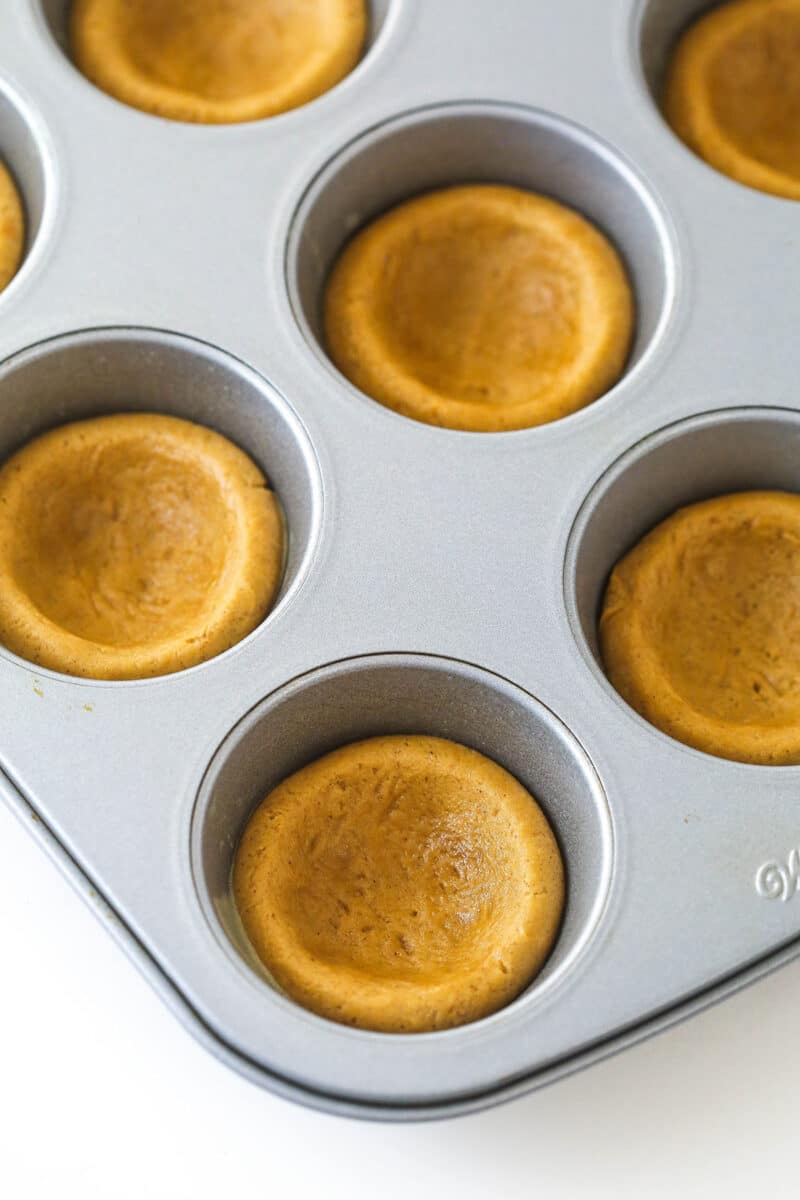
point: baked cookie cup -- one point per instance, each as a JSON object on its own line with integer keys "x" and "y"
{"x": 733, "y": 92}
{"x": 700, "y": 627}
{"x": 134, "y": 545}
{"x": 12, "y": 228}
{"x": 400, "y": 884}
{"x": 217, "y": 61}
{"x": 482, "y": 308}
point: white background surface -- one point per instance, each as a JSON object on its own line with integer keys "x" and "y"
{"x": 103, "y": 1095}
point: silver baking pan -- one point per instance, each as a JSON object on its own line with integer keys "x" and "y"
{"x": 437, "y": 581}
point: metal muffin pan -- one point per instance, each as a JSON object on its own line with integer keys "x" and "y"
{"x": 437, "y": 581}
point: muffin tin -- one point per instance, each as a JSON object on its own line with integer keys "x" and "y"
{"x": 437, "y": 582}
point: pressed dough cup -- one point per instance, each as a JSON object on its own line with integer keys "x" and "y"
{"x": 217, "y": 61}
{"x": 700, "y": 628}
{"x": 133, "y": 545}
{"x": 480, "y": 308}
{"x": 12, "y": 228}
{"x": 733, "y": 92}
{"x": 400, "y": 884}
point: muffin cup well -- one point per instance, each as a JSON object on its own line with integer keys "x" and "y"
{"x": 27, "y": 158}
{"x": 105, "y": 371}
{"x": 730, "y": 450}
{"x": 460, "y": 143}
{"x": 385, "y": 694}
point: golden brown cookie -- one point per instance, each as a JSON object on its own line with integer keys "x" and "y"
{"x": 400, "y": 884}
{"x": 134, "y": 545}
{"x": 12, "y": 228}
{"x": 217, "y": 61}
{"x": 733, "y": 92}
{"x": 700, "y": 628}
{"x": 480, "y": 308}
